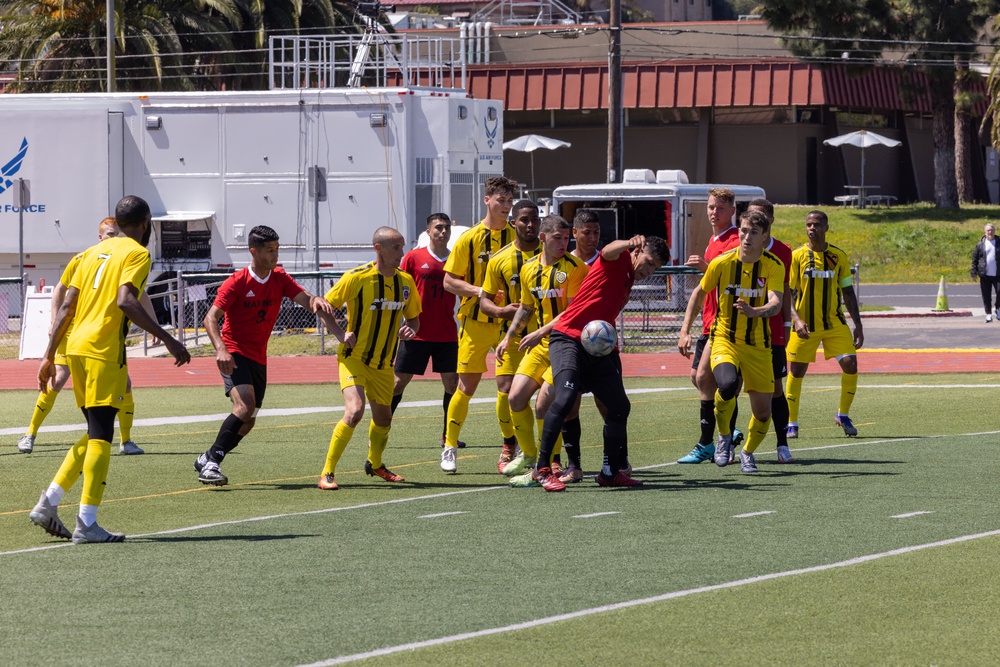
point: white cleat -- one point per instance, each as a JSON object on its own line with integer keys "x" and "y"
{"x": 129, "y": 448}
{"x": 26, "y": 444}
{"x": 448, "y": 457}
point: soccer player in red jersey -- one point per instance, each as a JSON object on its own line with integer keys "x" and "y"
{"x": 250, "y": 300}
{"x": 603, "y": 294}
{"x": 437, "y": 340}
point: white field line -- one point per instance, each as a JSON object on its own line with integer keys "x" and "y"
{"x": 281, "y": 412}
{"x": 750, "y": 514}
{"x": 435, "y": 516}
{"x": 908, "y": 515}
{"x": 591, "y": 516}
{"x": 389, "y": 650}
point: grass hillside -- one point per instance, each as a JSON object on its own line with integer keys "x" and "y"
{"x": 903, "y": 244}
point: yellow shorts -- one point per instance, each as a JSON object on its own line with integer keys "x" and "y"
{"x": 376, "y": 383}
{"x": 97, "y": 382}
{"x": 536, "y": 364}
{"x": 475, "y": 340}
{"x": 837, "y": 342}
{"x": 511, "y": 360}
{"x": 60, "y": 358}
{"x": 753, "y": 363}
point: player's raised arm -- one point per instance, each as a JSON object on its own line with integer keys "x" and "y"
{"x": 128, "y": 302}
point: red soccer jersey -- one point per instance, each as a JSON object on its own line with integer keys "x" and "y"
{"x": 727, "y": 240}
{"x": 777, "y": 322}
{"x": 251, "y": 306}
{"x": 437, "y": 321}
{"x": 602, "y": 295}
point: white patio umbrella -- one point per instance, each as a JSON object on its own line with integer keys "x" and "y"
{"x": 530, "y": 143}
{"x": 863, "y": 139}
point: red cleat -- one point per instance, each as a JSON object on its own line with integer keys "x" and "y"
{"x": 548, "y": 481}
{"x": 506, "y": 456}
{"x": 382, "y": 472}
{"x": 619, "y": 480}
{"x": 326, "y": 482}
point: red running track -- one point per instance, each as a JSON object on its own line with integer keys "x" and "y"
{"x": 160, "y": 372}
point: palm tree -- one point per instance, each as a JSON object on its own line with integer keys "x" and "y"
{"x": 59, "y": 45}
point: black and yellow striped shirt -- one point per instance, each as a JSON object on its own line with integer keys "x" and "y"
{"x": 819, "y": 278}
{"x": 751, "y": 282}
{"x": 468, "y": 260}
{"x": 504, "y": 274}
{"x": 376, "y": 306}
{"x": 548, "y": 289}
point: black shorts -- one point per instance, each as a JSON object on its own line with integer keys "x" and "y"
{"x": 249, "y": 372}
{"x": 699, "y": 349}
{"x": 778, "y": 362}
{"x": 583, "y": 370}
{"x": 412, "y": 356}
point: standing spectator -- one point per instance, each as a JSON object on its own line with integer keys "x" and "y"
{"x": 438, "y": 337}
{"x": 984, "y": 267}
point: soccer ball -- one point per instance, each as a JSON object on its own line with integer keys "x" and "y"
{"x": 598, "y": 338}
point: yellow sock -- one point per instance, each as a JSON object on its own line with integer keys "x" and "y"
{"x": 793, "y": 387}
{"x": 378, "y": 438}
{"x": 458, "y": 410}
{"x": 95, "y": 471}
{"x": 848, "y": 387}
{"x": 338, "y": 443}
{"x": 504, "y": 415}
{"x": 72, "y": 465}
{"x": 125, "y": 417}
{"x": 524, "y": 427}
{"x": 42, "y": 409}
{"x": 723, "y": 413}
{"x": 758, "y": 430}
{"x": 556, "y": 448}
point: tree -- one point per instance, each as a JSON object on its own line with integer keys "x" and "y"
{"x": 934, "y": 34}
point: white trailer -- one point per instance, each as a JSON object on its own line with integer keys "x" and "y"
{"x": 663, "y": 205}
{"x": 214, "y": 165}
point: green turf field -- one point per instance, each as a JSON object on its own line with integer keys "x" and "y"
{"x": 703, "y": 566}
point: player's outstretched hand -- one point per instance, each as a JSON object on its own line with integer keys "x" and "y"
{"x": 46, "y": 371}
{"x": 744, "y": 307}
{"x": 178, "y": 351}
{"x": 697, "y": 262}
{"x": 684, "y": 344}
{"x": 637, "y": 242}
{"x": 801, "y": 328}
{"x": 318, "y": 303}
{"x": 406, "y": 332}
{"x": 350, "y": 339}
{"x": 501, "y": 348}
{"x": 529, "y": 341}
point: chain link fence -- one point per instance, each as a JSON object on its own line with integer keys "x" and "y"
{"x": 10, "y": 323}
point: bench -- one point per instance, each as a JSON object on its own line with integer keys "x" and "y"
{"x": 847, "y": 200}
{"x": 881, "y": 200}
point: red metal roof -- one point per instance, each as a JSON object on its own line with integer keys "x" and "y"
{"x": 691, "y": 84}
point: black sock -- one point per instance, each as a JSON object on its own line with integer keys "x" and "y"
{"x": 445, "y": 402}
{"x": 732, "y": 422}
{"x": 615, "y": 448}
{"x": 571, "y": 441}
{"x": 395, "y": 402}
{"x": 707, "y": 423}
{"x": 512, "y": 440}
{"x": 229, "y": 436}
{"x": 779, "y": 414}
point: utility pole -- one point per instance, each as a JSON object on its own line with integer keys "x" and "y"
{"x": 110, "y": 25}
{"x": 615, "y": 94}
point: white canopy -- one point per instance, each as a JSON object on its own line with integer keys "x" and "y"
{"x": 532, "y": 142}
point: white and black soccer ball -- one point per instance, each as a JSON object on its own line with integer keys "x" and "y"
{"x": 598, "y": 338}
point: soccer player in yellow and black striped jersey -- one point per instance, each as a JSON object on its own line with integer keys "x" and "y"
{"x": 548, "y": 284}
{"x": 749, "y": 282}
{"x": 100, "y": 301}
{"x": 820, "y": 277}
{"x": 478, "y": 333}
{"x": 383, "y": 307}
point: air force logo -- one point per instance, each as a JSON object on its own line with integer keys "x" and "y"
{"x": 13, "y": 166}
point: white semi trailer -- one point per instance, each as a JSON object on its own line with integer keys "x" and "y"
{"x": 214, "y": 165}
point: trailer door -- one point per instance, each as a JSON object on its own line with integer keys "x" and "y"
{"x": 116, "y": 158}
{"x": 697, "y": 229}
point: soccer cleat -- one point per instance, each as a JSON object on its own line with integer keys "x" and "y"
{"x": 129, "y": 448}
{"x": 548, "y": 481}
{"x": 620, "y": 480}
{"x": 461, "y": 445}
{"x": 784, "y": 456}
{"x": 792, "y": 432}
{"x": 519, "y": 465}
{"x": 699, "y": 453}
{"x": 724, "y": 450}
{"x": 210, "y": 474}
{"x": 628, "y": 467}
{"x": 572, "y": 475}
{"x": 524, "y": 480}
{"x": 747, "y": 464}
{"x": 200, "y": 462}
{"x": 326, "y": 482}
{"x": 448, "y": 457}
{"x": 94, "y": 534}
{"x": 506, "y": 456}
{"x": 989, "y": 318}
{"x": 737, "y": 441}
{"x": 557, "y": 469}
{"x": 382, "y": 472}
{"x": 26, "y": 444}
{"x": 45, "y": 516}
{"x": 844, "y": 422}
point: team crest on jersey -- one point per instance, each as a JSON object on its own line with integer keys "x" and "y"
{"x": 484, "y": 257}
{"x": 406, "y": 293}
{"x": 761, "y": 282}
{"x": 560, "y": 277}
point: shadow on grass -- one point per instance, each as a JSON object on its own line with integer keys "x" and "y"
{"x": 220, "y": 538}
